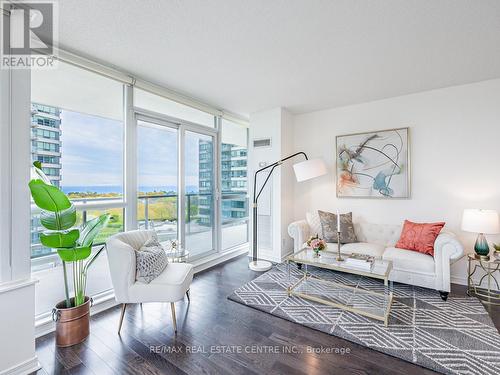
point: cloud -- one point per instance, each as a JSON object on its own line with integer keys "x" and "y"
{"x": 92, "y": 153}
{"x": 92, "y": 150}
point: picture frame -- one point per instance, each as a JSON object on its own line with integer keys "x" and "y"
{"x": 374, "y": 164}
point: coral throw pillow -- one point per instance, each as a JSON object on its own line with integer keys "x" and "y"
{"x": 419, "y": 236}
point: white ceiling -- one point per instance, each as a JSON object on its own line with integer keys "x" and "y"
{"x": 304, "y": 55}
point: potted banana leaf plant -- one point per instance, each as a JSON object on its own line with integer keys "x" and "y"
{"x": 74, "y": 247}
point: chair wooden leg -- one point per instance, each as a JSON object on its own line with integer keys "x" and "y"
{"x": 124, "y": 306}
{"x": 174, "y": 322}
{"x": 188, "y": 296}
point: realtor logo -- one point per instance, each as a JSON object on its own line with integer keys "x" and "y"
{"x": 28, "y": 34}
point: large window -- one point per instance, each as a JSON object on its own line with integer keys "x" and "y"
{"x": 77, "y": 134}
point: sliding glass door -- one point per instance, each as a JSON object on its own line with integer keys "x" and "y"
{"x": 176, "y": 173}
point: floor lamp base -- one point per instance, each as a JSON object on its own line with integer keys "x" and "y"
{"x": 260, "y": 265}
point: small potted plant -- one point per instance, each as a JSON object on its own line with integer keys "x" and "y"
{"x": 316, "y": 244}
{"x": 496, "y": 252}
{"x": 74, "y": 247}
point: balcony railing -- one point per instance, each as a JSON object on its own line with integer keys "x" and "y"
{"x": 199, "y": 212}
{"x": 157, "y": 212}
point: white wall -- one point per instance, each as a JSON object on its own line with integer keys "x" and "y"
{"x": 455, "y": 156}
{"x": 17, "y": 300}
{"x": 287, "y": 181}
{"x": 276, "y": 203}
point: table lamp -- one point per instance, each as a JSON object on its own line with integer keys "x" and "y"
{"x": 481, "y": 222}
{"x": 304, "y": 170}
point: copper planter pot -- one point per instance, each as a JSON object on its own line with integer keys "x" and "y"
{"x": 72, "y": 324}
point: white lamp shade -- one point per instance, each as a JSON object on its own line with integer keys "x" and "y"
{"x": 308, "y": 169}
{"x": 480, "y": 221}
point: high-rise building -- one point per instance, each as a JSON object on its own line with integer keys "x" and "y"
{"x": 46, "y": 140}
{"x": 46, "y": 148}
{"x": 205, "y": 182}
{"x": 234, "y": 182}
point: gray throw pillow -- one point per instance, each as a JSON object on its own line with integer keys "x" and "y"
{"x": 329, "y": 226}
{"x": 151, "y": 261}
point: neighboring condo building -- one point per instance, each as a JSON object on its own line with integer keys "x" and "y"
{"x": 46, "y": 148}
{"x": 234, "y": 183}
{"x": 46, "y": 140}
{"x": 205, "y": 183}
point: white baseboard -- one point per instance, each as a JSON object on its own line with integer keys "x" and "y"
{"x": 458, "y": 280}
{"x": 104, "y": 301}
{"x": 215, "y": 259}
{"x": 23, "y": 368}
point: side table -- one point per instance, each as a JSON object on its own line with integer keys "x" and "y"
{"x": 177, "y": 255}
{"x": 489, "y": 268}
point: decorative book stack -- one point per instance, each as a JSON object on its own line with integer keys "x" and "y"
{"x": 360, "y": 261}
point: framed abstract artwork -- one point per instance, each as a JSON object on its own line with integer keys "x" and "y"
{"x": 374, "y": 164}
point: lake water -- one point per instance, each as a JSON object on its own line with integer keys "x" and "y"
{"x": 106, "y": 189}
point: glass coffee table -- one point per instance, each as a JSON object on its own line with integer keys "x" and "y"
{"x": 374, "y": 303}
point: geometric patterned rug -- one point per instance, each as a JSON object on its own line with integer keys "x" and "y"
{"x": 452, "y": 337}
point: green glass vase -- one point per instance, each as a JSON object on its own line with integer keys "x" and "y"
{"x": 481, "y": 247}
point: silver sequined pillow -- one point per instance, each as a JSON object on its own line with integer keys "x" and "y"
{"x": 151, "y": 260}
{"x": 329, "y": 226}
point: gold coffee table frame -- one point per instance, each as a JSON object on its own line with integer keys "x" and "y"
{"x": 302, "y": 257}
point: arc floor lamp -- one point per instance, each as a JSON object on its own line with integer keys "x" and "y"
{"x": 304, "y": 170}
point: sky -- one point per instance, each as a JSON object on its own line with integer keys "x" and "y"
{"x": 92, "y": 153}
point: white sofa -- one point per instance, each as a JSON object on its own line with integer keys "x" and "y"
{"x": 409, "y": 267}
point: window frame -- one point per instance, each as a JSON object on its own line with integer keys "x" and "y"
{"x": 128, "y": 202}
{"x": 81, "y": 205}
{"x": 183, "y": 126}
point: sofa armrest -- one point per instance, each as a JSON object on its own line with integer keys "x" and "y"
{"x": 299, "y": 231}
{"x": 447, "y": 250}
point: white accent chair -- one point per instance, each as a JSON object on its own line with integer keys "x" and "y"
{"x": 170, "y": 286}
{"x": 409, "y": 267}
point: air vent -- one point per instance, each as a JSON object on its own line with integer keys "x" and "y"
{"x": 264, "y": 142}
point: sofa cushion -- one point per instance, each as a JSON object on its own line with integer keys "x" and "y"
{"x": 419, "y": 236}
{"x": 329, "y": 226}
{"x": 151, "y": 260}
{"x": 364, "y": 248}
{"x": 409, "y": 260}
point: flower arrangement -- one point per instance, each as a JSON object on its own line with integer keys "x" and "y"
{"x": 174, "y": 244}
{"x": 317, "y": 244}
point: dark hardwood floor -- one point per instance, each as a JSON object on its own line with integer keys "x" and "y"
{"x": 215, "y": 336}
